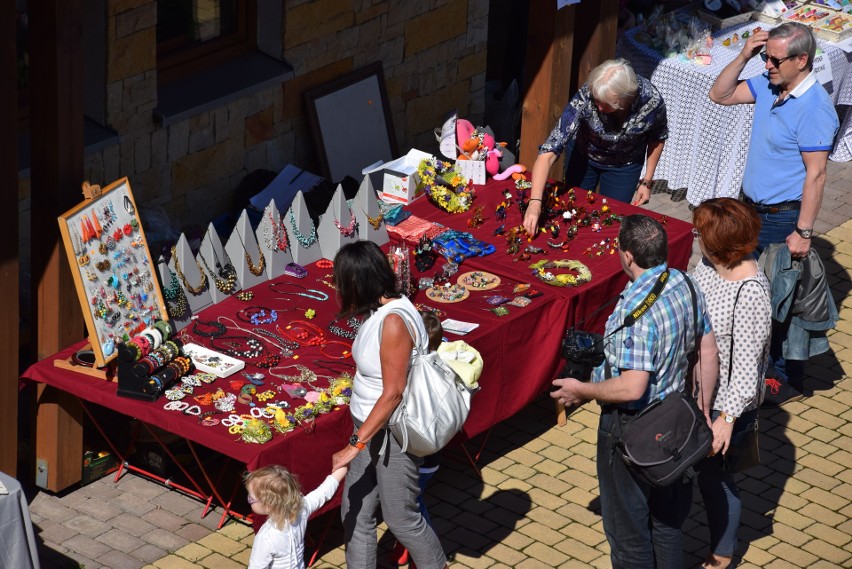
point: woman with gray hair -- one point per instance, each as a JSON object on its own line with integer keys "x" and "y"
{"x": 612, "y": 127}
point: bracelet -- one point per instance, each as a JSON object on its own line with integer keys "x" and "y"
{"x": 646, "y": 183}
{"x": 534, "y": 200}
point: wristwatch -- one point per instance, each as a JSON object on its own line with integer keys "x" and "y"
{"x": 805, "y": 233}
{"x": 353, "y": 440}
{"x": 726, "y": 417}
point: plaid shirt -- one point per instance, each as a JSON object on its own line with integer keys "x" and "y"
{"x": 599, "y": 139}
{"x": 659, "y": 341}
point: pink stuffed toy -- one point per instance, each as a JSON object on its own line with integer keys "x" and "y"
{"x": 478, "y": 145}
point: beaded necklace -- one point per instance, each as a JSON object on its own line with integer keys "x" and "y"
{"x": 305, "y": 374}
{"x": 256, "y": 270}
{"x": 350, "y": 229}
{"x": 228, "y": 281}
{"x": 218, "y": 329}
{"x": 176, "y": 303}
{"x": 285, "y": 346}
{"x": 309, "y": 292}
{"x": 300, "y": 237}
{"x": 375, "y": 222}
{"x": 252, "y": 346}
{"x": 354, "y": 324}
{"x": 191, "y": 289}
{"x": 275, "y": 234}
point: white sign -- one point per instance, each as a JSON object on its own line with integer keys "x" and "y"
{"x": 822, "y": 68}
{"x": 473, "y": 170}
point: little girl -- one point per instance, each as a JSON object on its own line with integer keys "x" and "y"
{"x": 274, "y": 492}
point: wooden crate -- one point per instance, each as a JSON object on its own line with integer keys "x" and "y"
{"x": 836, "y": 27}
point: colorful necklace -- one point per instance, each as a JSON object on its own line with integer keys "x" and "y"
{"x": 309, "y": 292}
{"x": 286, "y": 347}
{"x": 226, "y": 283}
{"x": 196, "y": 290}
{"x": 300, "y": 237}
{"x": 256, "y": 270}
{"x": 354, "y": 324}
{"x": 275, "y": 235}
{"x": 238, "y": 346}
{"x": 375, "y": 222}
{"x": 217, "y": 329}
{"x": 176, "y": 303}
{"x": 350, "y": 229}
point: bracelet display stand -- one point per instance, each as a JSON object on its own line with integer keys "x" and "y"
{"x": 217, "y": 265}
{"x": 245, "y": 253}
{"x": 172, "y": 283}
{"x": 371, "y": 224}
{"x": 338, "y": 225}
{"x": 274, "y": 241}
{"x": 134, "y": 382}
{"x": 304, "y": 243}
{"x": 194, "y": 282}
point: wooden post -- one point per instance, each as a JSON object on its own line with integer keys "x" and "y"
{"x": 547, "y": 71}
{"x": 594, "y": 39}
{"x": 56, "y": 127}
{"x": 9, "y": 324}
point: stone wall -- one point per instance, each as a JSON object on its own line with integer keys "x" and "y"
{"x": 433, "y": 54}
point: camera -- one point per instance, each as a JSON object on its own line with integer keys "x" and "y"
{"x": 583, "y": 352}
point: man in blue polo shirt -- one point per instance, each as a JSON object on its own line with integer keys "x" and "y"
{"x": 793, "y": 132}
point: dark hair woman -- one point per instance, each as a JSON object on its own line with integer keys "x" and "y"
{"x": 737, "y": 295}
{"x": 379, "y": 472}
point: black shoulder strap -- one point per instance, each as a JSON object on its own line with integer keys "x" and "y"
{"x": 733, "y": 318}
{"x": 649, "y": 301}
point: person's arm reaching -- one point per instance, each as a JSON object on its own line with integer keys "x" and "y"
{"x": 540, "y": 172}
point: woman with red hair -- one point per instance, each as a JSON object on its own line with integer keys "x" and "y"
{"x": 737, "y": 295}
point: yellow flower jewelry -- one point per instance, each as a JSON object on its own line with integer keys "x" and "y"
{"x": 445, "y": 185}
{"x": 583, "y": 274}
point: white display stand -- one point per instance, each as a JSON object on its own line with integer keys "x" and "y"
{"x": 331, "y": 237}
{"x": 366, "y": 204}
{"x": 212, "y": 256}
{"x": 242, "y": 247}
{"x": 271, "y": 226}
{"x": 299, "y": 224}
{"x": 192, "y": 273}
{"x": 166, "y": 270}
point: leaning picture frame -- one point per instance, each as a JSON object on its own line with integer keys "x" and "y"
{"x": 350, "y": 122}
{"x": 111, "y": 267}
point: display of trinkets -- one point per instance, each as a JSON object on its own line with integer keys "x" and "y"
{"x": 479, "y": 280}
{"x": 111, "y": 267}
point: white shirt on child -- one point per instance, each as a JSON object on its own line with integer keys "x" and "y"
{"x": 276, "y": 548}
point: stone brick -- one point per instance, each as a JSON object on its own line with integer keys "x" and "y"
{"x": 435, "y": 27}
{"x": 85, "y": 545}
{"x": 550, "y": 556}
{"x": 193, "y": 551}
{"x": 293, "y": 89}
{"x": 816, "y": 478}
{"x": 824, "y": 515}
{"x": 835, "y": 537}
{"x": 578, "y": 550}
{"x": 830, "y": 500}
{"x": 117, "y": 558}
{"x": 131, "y": 55}
{"x": 584, "y": 534}
{"x": 824, "y": 435}
{"x": 315, "y": 20}
{"x": 506, "y": 555}
{"x": 205, "y": 167}
{"x": 258, "y": 128}
{"x": 822, "y": 418}
{"x": 135, "y": 20}
{"x": 820, "y": 464}
{"x": 794, "y": 519}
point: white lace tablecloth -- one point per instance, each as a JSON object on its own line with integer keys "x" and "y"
{"x": 708, "y": 143}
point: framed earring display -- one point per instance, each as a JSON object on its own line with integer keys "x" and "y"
{"x": 112, "y": 267}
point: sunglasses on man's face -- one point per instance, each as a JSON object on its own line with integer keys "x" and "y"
{"x": 776, "y": 62}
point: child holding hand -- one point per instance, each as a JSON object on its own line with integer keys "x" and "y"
{"x": 275, "y": 493}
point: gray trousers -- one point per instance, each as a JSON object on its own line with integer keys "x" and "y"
{"x": 392, "y": 481}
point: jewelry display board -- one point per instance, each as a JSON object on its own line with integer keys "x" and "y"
{"x": 245, "y": 253}
{"x": 220, "y": 271}
{"x": 111, "y": 266}
{"x": 274, "y": 241}
{"x": 304, "y": 243}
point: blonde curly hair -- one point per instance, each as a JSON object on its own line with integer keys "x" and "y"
{"x": 277, "y": 489}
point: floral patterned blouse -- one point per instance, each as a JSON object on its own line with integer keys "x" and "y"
{"x": 599, "y": 138}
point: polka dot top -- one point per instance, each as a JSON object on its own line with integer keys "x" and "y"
{"x": 752, "y": 329}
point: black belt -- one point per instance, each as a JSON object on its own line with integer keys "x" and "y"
{"x": 774, "y": 207}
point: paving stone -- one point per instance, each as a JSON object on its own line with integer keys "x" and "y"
{"x": 193, "y": 551}
{"x": 85, "y": 545}
{"x": 193, "y": 532}
{"x": 148, "y": 553}
{"x": 796, "y": 555}
{"x": 165, "y": 540}
{"x": 221, "y": 543}
{"x": 133, "y": 504}
{"x": 164, "y": 519}
{"x": 831, "y": 500}
{"x": 549, "y": 555}
{"x": 116, "y": 558}
{"x": 117, "y": 539}
{"x": 87, "y": 526}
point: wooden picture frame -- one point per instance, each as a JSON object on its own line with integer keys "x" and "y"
{"x": 112, "y": 268}
{"x": 350, "y": 122}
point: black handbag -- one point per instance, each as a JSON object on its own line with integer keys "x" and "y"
{"x": 666, "y": 438}
{"x": 744, "y": 450}
{"x": 669, "y": 436}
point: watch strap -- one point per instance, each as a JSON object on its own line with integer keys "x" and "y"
{"x": 805, "y": 233}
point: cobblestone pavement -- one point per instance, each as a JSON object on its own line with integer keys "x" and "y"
{"x": 536, "y": 503}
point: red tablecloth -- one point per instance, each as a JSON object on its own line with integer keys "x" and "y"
{"x": 520, "y": 350}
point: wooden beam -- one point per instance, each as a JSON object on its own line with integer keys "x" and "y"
{"x": 10, "y": 323}
{"x": 546, "y": 75}
{"x": 595, "y": 37}
{"x": 56, "y": 128}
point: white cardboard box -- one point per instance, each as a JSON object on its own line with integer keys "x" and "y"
{"x": 210, "y": 361}
{"x": 399, "y": 179}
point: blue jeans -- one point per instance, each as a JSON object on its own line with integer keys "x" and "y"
{"x": 642, "y": 523}
{"x": 720, "y": 494}
{"x": 617, "y": 182}
{"x": 774, "y": 228}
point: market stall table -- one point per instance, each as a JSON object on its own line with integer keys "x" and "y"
{"x": 520, "y": 350}
{"x": 708, "y": 143}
